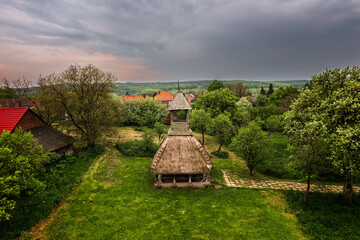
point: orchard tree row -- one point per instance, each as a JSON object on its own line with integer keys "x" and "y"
{"x": 322, "y": 120}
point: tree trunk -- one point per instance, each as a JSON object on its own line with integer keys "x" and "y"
{"x": 347, "y": 191}
{"x": 308, "y": 173}
{"x": 307, "y": 190}
{"x": 10, "y": 223}
{"x": 220, "y": 147}
{"x": 251, "y": 172}
{"x": 203, "y": 140}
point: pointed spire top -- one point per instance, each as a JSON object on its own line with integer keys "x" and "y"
{"x": 178, "y": 86}
{"x": 179, "y": 102}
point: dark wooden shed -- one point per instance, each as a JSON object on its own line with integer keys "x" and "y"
{"x": 50, "y": 138}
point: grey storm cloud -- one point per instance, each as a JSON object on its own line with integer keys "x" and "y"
{"x": 199, "y": 39}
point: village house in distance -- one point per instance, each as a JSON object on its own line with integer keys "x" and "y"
{"x": 181, "y": 160}
{"x": 47, "y": 136}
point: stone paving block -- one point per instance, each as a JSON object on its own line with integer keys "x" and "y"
{"x": 234, "y": 181}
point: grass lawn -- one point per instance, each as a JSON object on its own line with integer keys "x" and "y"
{"x": 117, "y": 200}
{"x": 275, "y": 165}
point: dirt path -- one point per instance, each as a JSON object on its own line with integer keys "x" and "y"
{"x": 235, "y": 181}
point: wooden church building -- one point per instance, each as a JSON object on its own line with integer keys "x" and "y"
{"x": 181, "y": 160}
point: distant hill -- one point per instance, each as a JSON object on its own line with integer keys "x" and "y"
{"x": 151, "y": 87}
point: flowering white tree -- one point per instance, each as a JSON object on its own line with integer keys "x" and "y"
{"x": 332, "y": 100}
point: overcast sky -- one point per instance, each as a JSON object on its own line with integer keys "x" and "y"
{"x": 168, "y": 40}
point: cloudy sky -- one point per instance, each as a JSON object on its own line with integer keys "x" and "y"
{"x": 167, "y": 40}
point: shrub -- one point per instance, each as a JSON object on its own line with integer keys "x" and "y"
{"x": 137, "y": 148}
{"x": 145, "y": 112}
{"x": 60, "y": 176}
{"x": 220, "y": 154}
{"x": 21, "y": 161}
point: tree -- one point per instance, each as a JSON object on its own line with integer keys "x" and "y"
{"x": 307, "y": 146}
{"x": 39, "y": 98}
{"x": 286, "y": 102}
{"x": 262, "y": 100}
{"x": 274, "y": 123}
{"x": 244, "y": 102}
{"x": 7, "y": 92}
{"x": 148, "y": 139}
{"x": 200, "y": 121}
{"x": 264, "y": 112}
{"x": 333, "y": 99}
{"x": 271, "y": 90}
{"x": 141, "y": 112}
{"x": 283, "y": 97}
{"x": 217, "y": 102}
{"x": 21, "y": 159}
{"x": 262, "y": 91}
{"x": 242, "y": 117}
{"x": 223, "y": 129}
{"x": 159, "y": 129}
{"x": 215, "y": 85}
{"x": 83, "y": 93}
{"x": 251, "y": 144}
{"x": 240, "y": 90}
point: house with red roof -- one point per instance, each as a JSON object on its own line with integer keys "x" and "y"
{"x": 47, "y": 136}
{"x": 164, "y": 97}
{"x": 131, "y": 97}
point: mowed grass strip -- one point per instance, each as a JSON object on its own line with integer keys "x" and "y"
{"x": 126, "y": 206}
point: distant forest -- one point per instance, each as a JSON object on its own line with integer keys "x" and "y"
{"x": 151, "y": 87}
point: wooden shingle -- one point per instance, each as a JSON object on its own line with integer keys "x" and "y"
{"x": 178, "y": 103}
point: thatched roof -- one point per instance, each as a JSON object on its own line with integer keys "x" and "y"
{"x": 180, "y": 129}
{"x": 181, "y": 155}
{"x": 50, "y": 138}
{"x": 179, "y": 102}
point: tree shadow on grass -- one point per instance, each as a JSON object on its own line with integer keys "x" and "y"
{"x": 326, "y": 215}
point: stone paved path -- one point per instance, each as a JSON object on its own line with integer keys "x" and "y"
{"x": 234, "y": 181}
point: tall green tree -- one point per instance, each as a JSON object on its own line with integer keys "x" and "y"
{"x": 223, "y": 129}
{"x": 215, "y": 85}
{"x": 262, "y": 91}
{"x": 217, "y": 102}
{"x": 83, "y": 94}
{"x": 333, "y": 99}
{"x": 21, "y": 160}
{"x": 307, "y": 144}
{"x": 200, "y": 121}
{"x": 271, "y": 90}
{"x": 252, "y": 145}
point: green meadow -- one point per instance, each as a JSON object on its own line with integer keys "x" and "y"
{"x": 110, "y": 196}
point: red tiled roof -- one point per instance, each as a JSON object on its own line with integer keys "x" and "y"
{"x": 9, "y": 117}
{"x": 164, "y": 96}
{"x": 164, "y": 99}
{"x": 134, "y": 97}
